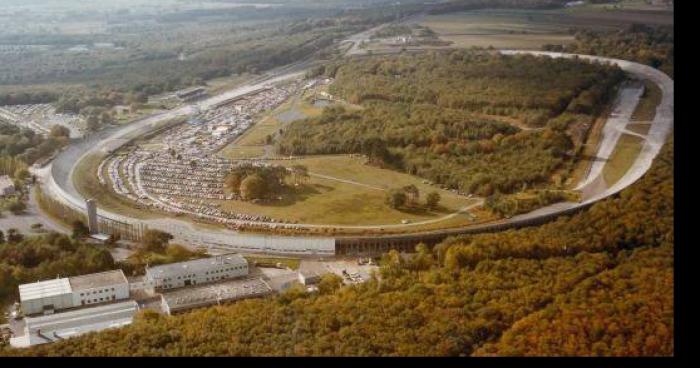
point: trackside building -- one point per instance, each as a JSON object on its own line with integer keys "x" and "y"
{"x": 196, "y": 272}
{"x": 46, "y": 297}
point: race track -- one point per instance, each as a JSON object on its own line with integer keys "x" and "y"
{"x": 57, "y": 177}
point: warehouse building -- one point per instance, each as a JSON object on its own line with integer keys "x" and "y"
{"x": 215, "y": 294}
{"x": 60, "y": 326}
{"x": 196, "y": 272}
{"x": 99, "y": 287}
{"x": 46, "y": 297}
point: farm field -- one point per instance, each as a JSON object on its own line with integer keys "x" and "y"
{"x": 531, "y": 29}
{"x": 626, "y": 151}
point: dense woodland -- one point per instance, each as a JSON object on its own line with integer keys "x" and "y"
{"x": 465, "y": 5}
{"x": 447, "y": 117}
{"x": 27, "y": 146}
{"x": 514, "y": 204}
{"x": 609, "y": 268}
{"x": 648, "y": 45}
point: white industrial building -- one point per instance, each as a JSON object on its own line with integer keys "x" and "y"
{"x": 60, "y": 326}
{"x": 196, "y": 272}
{"x": 70, "y": 292}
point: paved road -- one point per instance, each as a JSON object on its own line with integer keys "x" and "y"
{"x": 57, "y": 175}
{"x": 627, "y": 101}
{"x": 32, "y": 215}
{"x": 661, "y": 127}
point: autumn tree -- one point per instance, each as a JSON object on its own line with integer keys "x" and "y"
{"x": 432, "y": 200}
{"x": 232, "y": 182}
{"x": 58, "y": 131}
{"x": 79, "y": 229}
{"x": 329, "y": 283}
{"x": 253, "y": 187}
{"x": 155, "y": 241}
{"x": 395, "y": 198}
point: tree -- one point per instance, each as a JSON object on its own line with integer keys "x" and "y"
{"x": 432, "y": 200}
{"x": 413, "y": 193}
{"x": 232, "y": 182}
{"x": 329, "y": 283}
{"x": 14, "y": 236}
{"x": 93, "y": 123}
{"x": 58, "y": 131}
{"x": 253, "y": 187}
{"x": 300, "y": 173}
{"x": 22, "y": 174}
{"x": 16, "y": 206}
{"x": 79, "y": 229}
{"x": 106, "y": 118}
{"x": 2, "y": 237}
{"x": 395, "y": 198}
{"x": 155, "y": 241}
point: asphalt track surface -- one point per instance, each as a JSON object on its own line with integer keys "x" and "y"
{"x": 57, "y": 177}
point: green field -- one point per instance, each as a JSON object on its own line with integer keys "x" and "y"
{"x": 242, "y": 152}
{"x": 622, "y": 158}
{"x": 352, "y": 194}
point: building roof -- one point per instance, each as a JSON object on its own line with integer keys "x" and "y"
{"x": 96, "y": 280}
{"x": 44, "y": 289}
{"x": 200, "y": 296}
{"x": 197, "y": 265}
{"x": 43, "y": 329}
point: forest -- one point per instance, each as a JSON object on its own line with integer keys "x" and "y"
{"x": 644, "y": 44}
{"x": 599, "y": 282}
{"x": 27, "y": 146}
{"x": 457, "y": 118}
{"x": 465, "y": 5}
